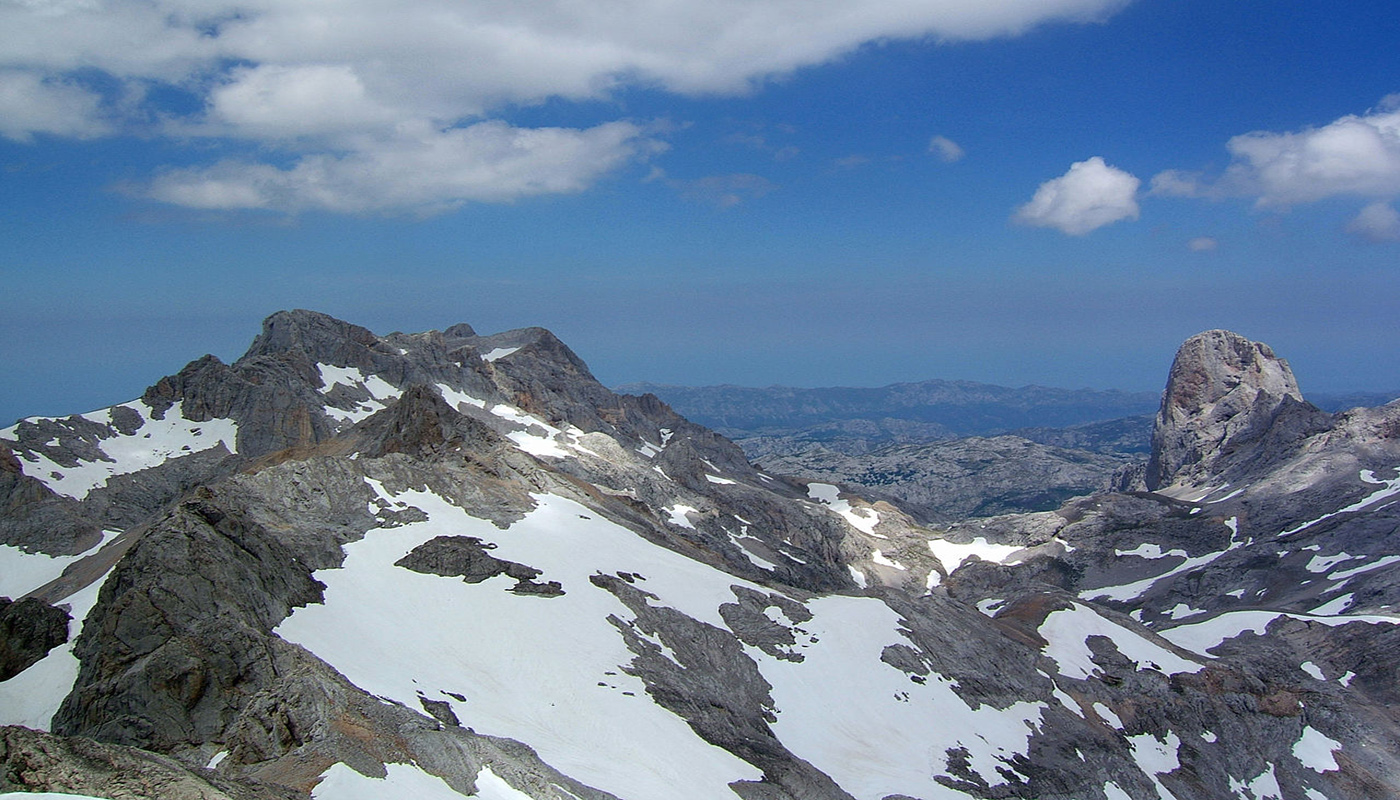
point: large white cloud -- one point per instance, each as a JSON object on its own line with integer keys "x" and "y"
{"x": 332, "y": 81}
{"x": 29, "y": 104}
{"x": 424, "y": 169}
{"x": 1091, "y": 195}
{"x": 1357, "y": 155}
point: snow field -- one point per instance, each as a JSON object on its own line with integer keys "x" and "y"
{"x": 150, "y": 445}
{"x": 549, "y": 671}
{"x": 1067, "y": 632}
{"x": 545, "y": 671}
{"x": 951, "y": 554}
{"x": 407, "y": 781}
{"x": 22, "y": 573}
{"x": 32, "y": 697}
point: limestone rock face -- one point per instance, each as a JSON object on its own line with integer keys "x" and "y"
{"x": 1224, "y": 393}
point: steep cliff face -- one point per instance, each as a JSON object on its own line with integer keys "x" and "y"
{"x": 1225, "y": 395}
{"x": 445, "y": 564}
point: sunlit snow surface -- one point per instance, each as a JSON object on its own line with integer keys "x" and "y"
{"x": 1067, "y": 632}
{"x": 862, "y": 519}
{"x": 22, "y": 573}
{"x": 150, "y": 445}
{"x": 408, "y": 782}
{"x": 32, "y": 697}
{"x": 379, "y": 390}
{"x": 548, "y": 671}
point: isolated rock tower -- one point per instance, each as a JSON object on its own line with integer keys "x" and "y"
{"x": 1223, "y": 391}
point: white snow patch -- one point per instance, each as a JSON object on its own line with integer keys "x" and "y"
{"x": 1353, "y": 572}
{"x": 1106, "y": 714}
{"x": 1263, "y": 787}
{"x": 990, "y": 605}
{"x": 1209, "y": 736}
{"x": 150, "y": 445}
{"x": 407, "y": 780}
{"x": 1067, "y": 630}
{"x": 1315, "y": 749}
{"x": 22, "y": 573}
{"x": 32, "y": 697}
{"x": 1181, "y": 610}
{"x": 678, "y": 516}
{"x": 951, "y": 554}
{"x": 217, "y": 759}
{"x": 1345, "y": 680}
{"x": 1151, "y": 551}
{"x": 1112, "y": 792}
{"x": 857, "y": 576}
{"x": 1389, "y": 488}
{"x": 457, "y": 398}
{"x": 1235, "y": 593}
{"x": 1202, "y": 637}
{"x": 1156, "y": 757}
{"x": 1313, "y": 670}
{"x": 1335, "y": 606}
{"x": 862, "y": 519}
{"x": 884, "y": 561}
{"x": 1324, "y": 563}
{"x": 499, "y": 353}
{"x": 721, "y": 481}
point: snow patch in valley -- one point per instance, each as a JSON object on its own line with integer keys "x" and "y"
{"x": 951, "y": 554}
{"x": 862, "y": 519}
{"x": 1313, "y": 670}
{"x": 152, "y": 444}
{"x": 1067, "y": 632}
{"x": 340, "y": 782}
{"x": 457, "y": 399}
{"x": 1315, "y": 750}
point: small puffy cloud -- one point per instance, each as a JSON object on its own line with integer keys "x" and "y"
{"x": 1091, "y": 195}
{"x": 424, "y": 170}
{"x": 945, "y": 148}
{"x": 1202, "y": 244}
{"x": 1377, "y": 222}
{"x": 851, "y": 161}
{"x": 29, "y": 104}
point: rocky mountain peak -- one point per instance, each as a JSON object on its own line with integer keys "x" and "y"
{"x": 1223, "y": 391}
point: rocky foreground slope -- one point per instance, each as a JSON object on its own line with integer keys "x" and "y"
{"x": 444, "y": 565}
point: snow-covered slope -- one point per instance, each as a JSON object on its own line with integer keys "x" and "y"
{"x": 451, "y": 565}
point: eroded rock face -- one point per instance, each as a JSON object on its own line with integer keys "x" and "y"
{"x": 1224, "y": 393}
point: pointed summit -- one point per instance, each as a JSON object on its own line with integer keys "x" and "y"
{"x": 1224, "y": 391}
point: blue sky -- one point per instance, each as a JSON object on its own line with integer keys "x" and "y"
{"x": 831, "y": 192}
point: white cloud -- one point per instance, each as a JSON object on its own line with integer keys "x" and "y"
{"x": 1377, "y": 222}
{"x": 316, "y": 78}
{"x": 1091, "y": 195}
{"x": 424, "y": 170}
{"x": 1202, "y": 244}
{"x": 946, "y": 148}
{"x": 29, "y": 105}
{"x": 1356, "y": 156}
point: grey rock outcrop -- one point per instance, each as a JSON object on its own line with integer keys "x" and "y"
{"x": 29, "y": 629}
{"x": 1224, "y": 395}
